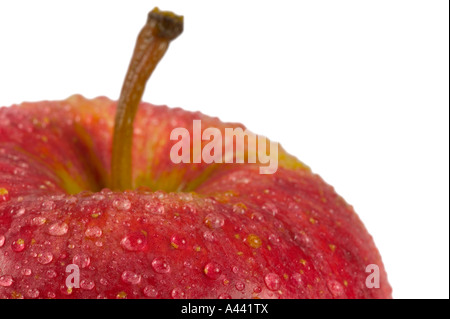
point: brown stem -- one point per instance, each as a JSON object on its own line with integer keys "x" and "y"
{"x": 151, "y": 44}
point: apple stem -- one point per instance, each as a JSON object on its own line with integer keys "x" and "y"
{"x": 151, "y": 44}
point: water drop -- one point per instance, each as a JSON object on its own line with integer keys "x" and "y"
{"x": 297, "y": 280}
{"x": 51, "y": 273}
{"x": 81, "y": 260}
{"x": 58, "y": 229}
{"x": 178, "y": 242}
{"x": 38, "y": 221}
{"x": 134, "y": 242}
{"x": 178, "y": 293}
{"x": 274, "y": 239}
{"x": 130, "y": 277}
{"x": 254, "y": 241}
{"x": 150, "y": 292}
{"x": 335, "y": 288}
{"x": 4, "y": 195}
{"x": 122, "y": 204}
{"x": 160, "y": 265}
{"x": 240, "y": 286}
{"x": 19, "y": 212}
{"x": 224, "y": 296}
{"x": 2, "y": 240}
{"x": 26, "y": 272}
{"x": 239, "y": 208}
{"x": 154, "y": 208}
{"x": 104, "y": 282}
{"x": 272, "y": 281}
{"x": 93, "y": 232}
{"x": 18, "y": 245}
{"x": 45, "y": 258}
{"x": 6, "y": 281}
{"x": 48, "y": 205}
{"x": 87, "y": 284}
{"x": 32, "y": 293}
{"x": 214, "y": 221}
{"x": 212, "y": 270}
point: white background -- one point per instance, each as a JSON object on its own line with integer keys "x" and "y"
{"x": 358, "y": 90}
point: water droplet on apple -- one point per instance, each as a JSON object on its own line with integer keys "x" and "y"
{"x": 224, "y": 296}
{"x": 297, "y": 280}
{"x": 214, "y": 220}
{"x": 6, "y": 281}
{"x": 93, "y": 232}
{"x": 87, "y": 284}
{"x": 58, "y": 229}
{"x": 178, "y": 293}
{"x": 212, "y": 270}
{"x": 335, "y": 288}
{"x": 82, "y": 260}
{"x": 270, "y": 208}
{"x": 154, "y": 208}
{"x": 208, "y": 236}
{"x": 160, "y": 265}
{"x": 32, "y": 293}
{"x": 122, "y": 204}
{"x": 150, "y": 292}
{"x": 48, "y": 205}
{"x": 18, "y": 245}
{"x": 26, "y": 272}
{"x": 19, "y": 212}
{"x": 134, "y": 241}
{"x": 51, "y": 273}
{"x": 239, "y": 286}
{"x": 98, "y": 196}
{"x": 45, "y": 258}
{"x": 178, "y": 242}
{"x": 272, "y": 281}
{"x": 130, "y": 277}
{"x": 38, "y": 221}
{"x": 104, "y": 282}
{"x": 2, "y": 240}
{"x": 239, "y": 208}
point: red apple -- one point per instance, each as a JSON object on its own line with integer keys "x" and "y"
{"x": 186, "y": 230}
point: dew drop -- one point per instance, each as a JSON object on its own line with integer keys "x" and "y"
{"x": 240, "y": 286}
{"x": 6, "y": 281}
{"x": 81, "y": 260}
{"x": 2, "y": 240}
{"x": 45, "y": 258}
{"x": 274, "y": 239}
{"x": 212, "y": 270}
{"x": 178, "y": 242}
{"x": 51, "y": 273}
{"x": 38, "y": 221}
{"x": 254, "y": 241}
{"x": 153, "y": 208}
{"x": 272, "y": 281}
{"x": 297, "y": 280}
{"x": 335, "y": 288}
{"x": 239, "y": 208}
{"x": 58, "y": 229}
{"x": 178, "y": 293}
{"x": 104, "y": 282}
{"x": 150, "y": 292}
{"x": 93, "y": 232}
{"x": 214, "y": 221}
{"x": 32, "y": 293}
{"x": 160, "y": 265}
{"x": 4, "y": 195}
{"x": 18, "y": 245}
{"x": 26, "y": 272}
{"x": 224, "y": 296}
{"x": 130, "y": 277}
{"x": 87, "y": 284}
{"x": 134, "y": 242}
{"x": 122, "y": 204}
{"x": 48, "y": 205}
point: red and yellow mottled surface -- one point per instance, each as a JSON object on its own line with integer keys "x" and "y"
{"x": 188, "y": 231}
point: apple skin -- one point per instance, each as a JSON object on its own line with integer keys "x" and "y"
{"x": 187, "y": 231}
